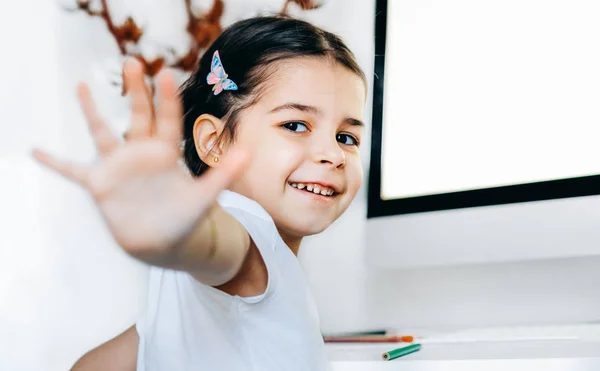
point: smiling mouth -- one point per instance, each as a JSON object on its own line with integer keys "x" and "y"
{"x": 315, "y": 189}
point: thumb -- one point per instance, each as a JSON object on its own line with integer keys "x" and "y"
{"x": 219, "y": 178}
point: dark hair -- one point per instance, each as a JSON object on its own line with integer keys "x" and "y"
{"x": 246, "y": 49}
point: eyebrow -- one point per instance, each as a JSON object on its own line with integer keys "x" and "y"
{"x": 354, "y": 122}
{"x": 313, "y": 110}
{"x": 298, "y": 107}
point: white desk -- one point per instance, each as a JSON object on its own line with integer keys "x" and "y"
{"x": 557, "y": 364}
{"x": 542, "y": 355}
{"x": 469, "y": 351}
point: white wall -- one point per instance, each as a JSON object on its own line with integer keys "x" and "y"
{"x": 64, "y": 284}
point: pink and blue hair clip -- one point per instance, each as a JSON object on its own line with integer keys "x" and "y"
{"x": 218, "y": 77}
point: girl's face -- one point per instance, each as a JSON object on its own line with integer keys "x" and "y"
{"x": 304, "y": 134}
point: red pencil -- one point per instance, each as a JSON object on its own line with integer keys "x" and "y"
{"x": 369, "y": 339}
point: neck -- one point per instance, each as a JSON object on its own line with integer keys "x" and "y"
{"x": 293, "y": 242}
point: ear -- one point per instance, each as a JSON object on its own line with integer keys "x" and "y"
{"x": 207, "y": 130}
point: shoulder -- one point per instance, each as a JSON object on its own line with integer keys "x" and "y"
{"x": 234, "y": 201}
{"x": 252, "y": 216}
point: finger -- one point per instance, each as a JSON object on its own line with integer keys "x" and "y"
{"x": 217, "y": 179}
{"x": 71, "y": 171}
{"x": 104, "y": 139}
{"x": 142, "y": 112}
{"x": 169, "y": 113}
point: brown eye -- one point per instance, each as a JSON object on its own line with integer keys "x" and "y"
{"x": 295, "y": 126}
{"x": 346, "y": 139}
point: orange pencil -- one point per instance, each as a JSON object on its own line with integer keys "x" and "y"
{"x": 369, "y": 339}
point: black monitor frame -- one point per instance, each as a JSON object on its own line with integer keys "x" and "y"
{"x": 378, "y": 207}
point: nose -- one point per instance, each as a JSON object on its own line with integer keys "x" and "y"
{"x": 329, "y": 152}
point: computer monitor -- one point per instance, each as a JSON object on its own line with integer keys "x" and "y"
{"x": 486, "y": 129}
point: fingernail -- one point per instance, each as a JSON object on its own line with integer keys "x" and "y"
{"x": 133, "y": 62}
{"x": 36, "y": 153}
{"x": 165, "y": 71}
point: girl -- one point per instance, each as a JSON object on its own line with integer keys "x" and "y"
{"x": 271, "y": 132}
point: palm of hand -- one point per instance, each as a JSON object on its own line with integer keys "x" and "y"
{"x": 147, "y": 201}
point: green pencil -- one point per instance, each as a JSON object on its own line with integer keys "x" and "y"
{"x": 397, "y": 353}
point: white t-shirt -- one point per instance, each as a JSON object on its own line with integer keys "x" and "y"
{"x": 191, "y": 326}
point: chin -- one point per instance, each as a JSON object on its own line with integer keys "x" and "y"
{"x": 304, "y": 228}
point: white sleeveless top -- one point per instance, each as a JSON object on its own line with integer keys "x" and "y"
{"x": 191, "y": 326}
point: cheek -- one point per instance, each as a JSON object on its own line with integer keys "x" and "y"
{"x": 355, "y": 176}
{"x": 271, "y": 165}
{"x": 280, "y": 157}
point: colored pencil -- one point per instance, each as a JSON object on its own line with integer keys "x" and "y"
{"x": 369, "y": 339}
{"x": 400, "y": 352}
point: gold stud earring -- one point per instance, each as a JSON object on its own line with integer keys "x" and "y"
{"x": 216, "y": 159}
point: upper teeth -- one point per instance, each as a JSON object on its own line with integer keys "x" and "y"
{"x": 314, "y": 188}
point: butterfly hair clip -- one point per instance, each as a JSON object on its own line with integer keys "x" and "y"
{"x": 218, "y": 77}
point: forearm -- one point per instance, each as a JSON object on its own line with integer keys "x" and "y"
{"x": 214, "y": 251}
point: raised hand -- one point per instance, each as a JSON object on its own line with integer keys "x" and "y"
{"x": 149, "y": 203}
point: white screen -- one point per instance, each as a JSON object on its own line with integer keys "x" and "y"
{"x": 481, "y": 94}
